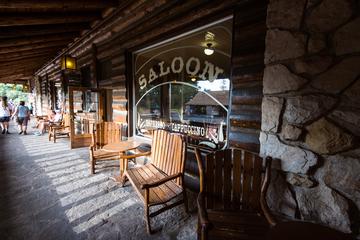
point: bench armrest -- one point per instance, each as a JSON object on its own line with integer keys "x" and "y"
{"x": 130, "y": 156}
{"x": 161, "y": 181}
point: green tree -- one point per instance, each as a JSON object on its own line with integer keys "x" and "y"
{"x": 13, "y": 92}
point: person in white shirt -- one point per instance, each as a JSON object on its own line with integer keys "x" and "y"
{"x": 5, "y": 113}
{"x": 54, "y": 117}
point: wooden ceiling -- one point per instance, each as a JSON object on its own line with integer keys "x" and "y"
{"x": 32, "y": 32}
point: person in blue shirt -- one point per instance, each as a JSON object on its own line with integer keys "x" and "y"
{"x": 23, "y": 115}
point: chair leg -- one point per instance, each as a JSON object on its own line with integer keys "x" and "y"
{"x": 185, "y": 201}
{"x": 92, "y": 164}
{"x": 123, "y": 180}
{"x": 199, "y": 230}
{"x": 147, "y": 219}
{"x": 204, "y": 233}
{"x": 147, "y": 211}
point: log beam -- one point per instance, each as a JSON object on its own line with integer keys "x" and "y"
{"x": 26, "y": 19}
{"x": 13, "y": 78}
{"x": 25, "y": 64}
{"x": 21, "y": 31}
{"x": 22, "y": 64}
{"x": 19, "y": 69}
{"x": 26, "y": 70}
{"x": 12, "y": 42}
{"x": 16, "y": 56}
{"x": 49, "y": 53}
{"x": 24, "y": 74}
{"x": 64, "y": 5}
{"x": 54, "y": 44}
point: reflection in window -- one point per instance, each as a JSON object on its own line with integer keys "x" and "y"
{"x": 179, "y": 88}
{"x": 86, "y": 106}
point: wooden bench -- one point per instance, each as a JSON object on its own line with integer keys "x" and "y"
{"x": 60, "y": 130}
{"x": 161, "y": 180}
{"x": 231, "y": 202}
{"x": 104, "y": 133}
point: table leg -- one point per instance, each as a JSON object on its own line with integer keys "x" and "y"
{"x": 121, "y": 165}
{"x": 119, "y": 178}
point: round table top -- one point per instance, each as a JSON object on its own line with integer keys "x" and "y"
{"x": 123, "y": 146}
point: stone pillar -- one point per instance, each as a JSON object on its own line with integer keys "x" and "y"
{"x": 311, "y": 110}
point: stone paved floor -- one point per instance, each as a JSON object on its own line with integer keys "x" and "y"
{"x": 48, "y": 193}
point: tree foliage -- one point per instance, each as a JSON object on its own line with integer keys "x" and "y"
{"x": 13, "y": 92}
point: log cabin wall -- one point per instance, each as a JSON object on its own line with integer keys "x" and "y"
{"x": 247, "y": 74}
{"x": 141, "y": 23}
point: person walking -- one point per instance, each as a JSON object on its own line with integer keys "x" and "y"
{"x": 23, "y": 115}
{"x": 5, "y": 113}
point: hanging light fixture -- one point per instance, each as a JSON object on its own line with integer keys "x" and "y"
{"x": 209, "y": 50}
{"x": 209, "y": 39}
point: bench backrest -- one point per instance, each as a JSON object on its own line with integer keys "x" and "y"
{"x": 106, "y": 132}
{"x": 168, "y": 152}
{"x": 234, "y": 179}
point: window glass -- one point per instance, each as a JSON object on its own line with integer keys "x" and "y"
{"x": 179, "y": 87}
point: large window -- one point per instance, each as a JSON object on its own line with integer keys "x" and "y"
{"x": 183, "y": 84}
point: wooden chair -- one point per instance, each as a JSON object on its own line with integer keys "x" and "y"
{"x": 60, "y": 130}
{"x": 299, "y": 230}
{"x": 161, "y": 180}
{"x": 104, "y": 133}
{"x": 231, "y": 202}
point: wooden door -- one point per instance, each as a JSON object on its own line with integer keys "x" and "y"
{"x": 86, "y": 107}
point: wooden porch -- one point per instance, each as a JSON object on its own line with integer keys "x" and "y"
{"x": 49, "y": 193}
{"x": 278, "y": 79}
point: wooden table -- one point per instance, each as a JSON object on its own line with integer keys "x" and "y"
{"x": 122, "y": 147}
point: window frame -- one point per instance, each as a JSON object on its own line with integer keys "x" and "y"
{"x": 130, "y": 56}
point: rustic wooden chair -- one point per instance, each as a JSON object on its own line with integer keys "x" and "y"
{"x": 60, "y": 130}
{"x": 161, "y": 180}
{"x": 299, "y": 230}
{"x": 104, "y": 133}
{"x": 231, "y": 202}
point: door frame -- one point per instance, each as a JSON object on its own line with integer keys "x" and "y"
{"x": 83, "y": 140}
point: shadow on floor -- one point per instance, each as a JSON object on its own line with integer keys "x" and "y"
{"x": 48, "y": 193}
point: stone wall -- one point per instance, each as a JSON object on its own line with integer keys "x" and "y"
{"x": 311, "y": 110}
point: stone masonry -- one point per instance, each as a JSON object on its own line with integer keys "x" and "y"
{"x": 311, "y": 110}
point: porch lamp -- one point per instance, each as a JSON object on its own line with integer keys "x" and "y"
{"x": 68, "y": 63}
